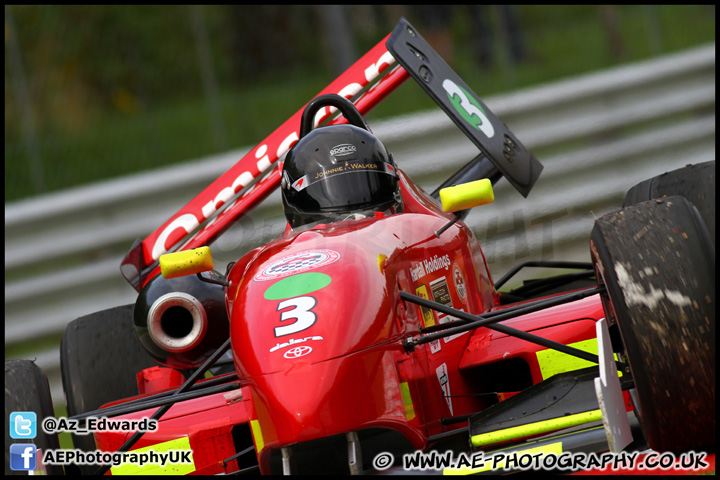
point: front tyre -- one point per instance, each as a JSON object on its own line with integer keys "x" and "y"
{"x": 657, "y": 262}
{"x": 27, "y": 390}
{"x": 100, "y": 357}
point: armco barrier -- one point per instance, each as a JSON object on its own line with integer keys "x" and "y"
{"x": 597, "y": 135}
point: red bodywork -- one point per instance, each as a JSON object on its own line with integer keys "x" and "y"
{"x": 344, "y": 368}
{"x": 317, "y": 325}
{"x": 322, "y": 354}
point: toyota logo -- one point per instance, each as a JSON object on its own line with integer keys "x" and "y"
{"x": 297, "y": 352}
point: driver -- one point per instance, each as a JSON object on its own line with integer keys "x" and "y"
{"x": 338, "y": 172}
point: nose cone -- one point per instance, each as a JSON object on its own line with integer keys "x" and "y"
{"x": 318, "y": 298}
{"x": 314, "y": 334}
{"x": 335, "y": 396}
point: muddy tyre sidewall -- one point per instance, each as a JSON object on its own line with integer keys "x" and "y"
{"x": 657, "y": 262}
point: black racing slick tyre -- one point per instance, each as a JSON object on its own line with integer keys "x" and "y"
{"x": 657, "y": 263}
{"x": 100, "y": 357}
{"x": 27, "y": 390}
{"x": 694, "y": 182}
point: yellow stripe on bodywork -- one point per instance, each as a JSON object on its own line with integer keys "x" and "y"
{"x": 536, "y": 428}
{"x": 257, "y": 435}
{"x": 553, "y": 448}
{"x": 551, "y": 361}
{"x": 182, "y": 443}
{"x": 407, "y": 401}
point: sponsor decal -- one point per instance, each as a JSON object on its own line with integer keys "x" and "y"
{"x": 344, "y": 149}
{"x": 442, "y": 375}
{"x": 300, "y": 183}
{"x": 417, "y": 271}
{"x": 347, "y": 167}
{"x": 297, "y": 263}
{"x": 429, "y": 265}
{"x": 428, "y": 318}
{"x": 459, "y": 281}
{"x": 427, "y": 314}
{"x": 441, "y": 294}
{"x": 297, "y": 352}
{"x": 294, "y": 341}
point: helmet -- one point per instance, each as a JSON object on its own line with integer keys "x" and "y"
{"x": 337, "y": 170}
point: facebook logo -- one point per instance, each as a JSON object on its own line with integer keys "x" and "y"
{"x": 23, "y": 456}
{"x": 23, "y": 425}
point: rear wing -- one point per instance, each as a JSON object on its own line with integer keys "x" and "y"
{"x": 469, "y": 113}
{"x": 366, "y": 83}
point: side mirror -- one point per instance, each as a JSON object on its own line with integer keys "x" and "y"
{"x": 467, "y": 195}
{"x": 187, "y": 262}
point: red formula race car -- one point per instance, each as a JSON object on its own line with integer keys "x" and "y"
{"x": 370, "y": 337}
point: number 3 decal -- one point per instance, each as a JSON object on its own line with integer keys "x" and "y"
{"x": 302, "y": 315}
{"x": 468, "y": 107}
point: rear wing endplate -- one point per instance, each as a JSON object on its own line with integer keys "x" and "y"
{"x": 469, "y": 113}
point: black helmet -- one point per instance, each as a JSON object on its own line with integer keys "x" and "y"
{"x": 337, "y": 170}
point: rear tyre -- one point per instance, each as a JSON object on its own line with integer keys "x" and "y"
{"x": 27, "y": 390}
{"x": 694, "y": 182}
{"x": 657, "y": 263}
{"x": 100, "y": 357}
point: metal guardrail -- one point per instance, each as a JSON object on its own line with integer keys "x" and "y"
{"x": 597, "y": 135}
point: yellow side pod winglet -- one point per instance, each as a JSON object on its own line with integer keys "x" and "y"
{"x": 187, "y": 262}
{"x": 467, "y": 195}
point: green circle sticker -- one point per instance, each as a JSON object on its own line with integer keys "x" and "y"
{"x": 297, "y": 285}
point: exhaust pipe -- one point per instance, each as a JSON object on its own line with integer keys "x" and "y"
{"x": 177, "y": 322}
{"x": 181, "y": 321}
